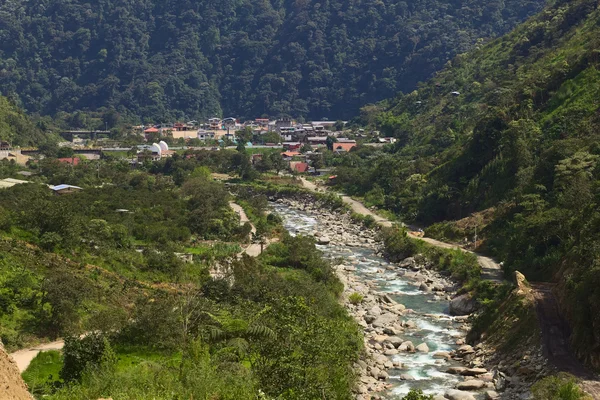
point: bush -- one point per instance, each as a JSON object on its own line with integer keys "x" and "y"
{"x": 417, "y": 395}
{"x": 92, "y": 351}
{"x": 356, "y": 298}
{"x": 559, "y": 387}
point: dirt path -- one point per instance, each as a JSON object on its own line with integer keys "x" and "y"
{"x": 555, "y": 336}
{"x": 490, "y": 269}
{"x": 254, "y": 249}
{"x": 23, "y": 357}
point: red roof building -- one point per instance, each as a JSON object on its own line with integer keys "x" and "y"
{"x": 70, "y": 160}
{"x": 299, "y": 167}
{"x": 343, "y": 146}
{"x": 151, "y": 130}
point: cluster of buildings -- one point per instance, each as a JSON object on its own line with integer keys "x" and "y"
{"x": 220, "y": 129}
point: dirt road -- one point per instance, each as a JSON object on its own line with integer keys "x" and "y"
{"x": 23, "y": 357}
{"x": 254, "y": 249}
{"x": 490, "y": 269}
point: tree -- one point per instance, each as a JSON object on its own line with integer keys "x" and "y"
{"x": 245, "y": 135}
{"x": 316, "y": 161}
{"x": 330, "y": 141}
{"x": 79, "y": 355}
{"x": 277, "y": 162}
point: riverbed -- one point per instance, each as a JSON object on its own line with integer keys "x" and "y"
{"x": 428, "y": 311}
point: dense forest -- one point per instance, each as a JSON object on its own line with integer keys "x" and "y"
{"x": 156, "y": 61}
{"x": 509, "y": 131}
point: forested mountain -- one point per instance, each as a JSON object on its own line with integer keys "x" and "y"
{"x": 512, "y": 128}
{"x": 176, "y": 59}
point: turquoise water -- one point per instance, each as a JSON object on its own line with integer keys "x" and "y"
{"x": 435, "y": 326}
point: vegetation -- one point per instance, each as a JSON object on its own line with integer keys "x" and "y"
{"x": 106, "y": 262}
{"x": 356, "y": 298}
{"x": 512, "y": 125}
{"x": 95, "y": 64}
{"x": 559, "y": 387}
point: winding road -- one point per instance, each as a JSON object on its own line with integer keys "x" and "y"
{"x": 23, "y": 357}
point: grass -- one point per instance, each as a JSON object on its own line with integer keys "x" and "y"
{"x": 130, "y": 357}
{"x": 43, "y": 372}
{"x": 217, "y": 251}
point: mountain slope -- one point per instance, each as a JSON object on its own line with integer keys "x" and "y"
{"x": 15, "y": 126}
{"x": 515, "y": 126}
{"x": 176, "y": 59}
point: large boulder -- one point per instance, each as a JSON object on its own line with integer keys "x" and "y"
{"x": 471, "y": 384}
{"x": 474, "y": 371}
{"x": 456, "y": 370}
{"x": 453, "y": 394}
{"x": 384, "y": 319}
{"x": 422, "y": 348}
{"x": 462, "y": 305}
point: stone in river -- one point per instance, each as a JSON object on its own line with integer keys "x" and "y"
{"x": 456, "y": 370}
{"x": 462, "y": 305}
{"x": 472, "y": 384}
{"x": 474, "y": 371}
{"x": 406, "y": 377}
{"x": 454, "y": 394}
{"x": 385, "y": 319}
{"x": 442, "y": 354}
{"x": 422, "y": 348}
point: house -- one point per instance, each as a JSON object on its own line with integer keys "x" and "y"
{"x": 291, "y": 146}
{"x": 344, "y": 147}
{"x": 10, "y": 182}
{"x": 317, "y": 140}
{"x": 70, "y": 160}
{"x": 151, "y": 130}
{"x": 215, "y": 123}
{"x": 290, "y": 154}
{"x": 205, "y": 135}
{"x": 65, "y": 189}
{"x": 298, "y": 166}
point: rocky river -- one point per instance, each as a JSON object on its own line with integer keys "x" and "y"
{"x": 411, "y": 340}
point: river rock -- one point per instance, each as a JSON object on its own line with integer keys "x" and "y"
{"x": 442, "y": 355}
{"x": 384, "y": 319}
{"x": 472, "y": 384}
{"x": 422, "y": 348}
{"x": 395, "y": 341}
{"x": 406, "y": 377}
{"x": 383, "y": 376}
{"x": 492, "y": 395}
{"x": 474, "y": 371}
{"x": 454, "y": 394}
{"x": 462, "y": 305}
{"x": 456, "y": 370}
{"x": 406, "y": 346}
{"x": 323, "y": 240}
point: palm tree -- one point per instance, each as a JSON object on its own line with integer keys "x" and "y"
{"x": 235, "y": 333}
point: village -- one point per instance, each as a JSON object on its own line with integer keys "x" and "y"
{"x": 298, "y": 142}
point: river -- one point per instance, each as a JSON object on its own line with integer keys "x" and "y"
{"x": 434, "y": 325}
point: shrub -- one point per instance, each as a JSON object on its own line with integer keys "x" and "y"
{"x": 92, "y": 351}
{"x": 558, "y": 387}
{"x": 356, "y": 298}
{"x": 417, "y": 395}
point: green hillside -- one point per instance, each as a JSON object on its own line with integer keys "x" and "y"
{"x": 189, "y": 59}
{"x": 15, "y": 127}
{"x": 512, "y": 126}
